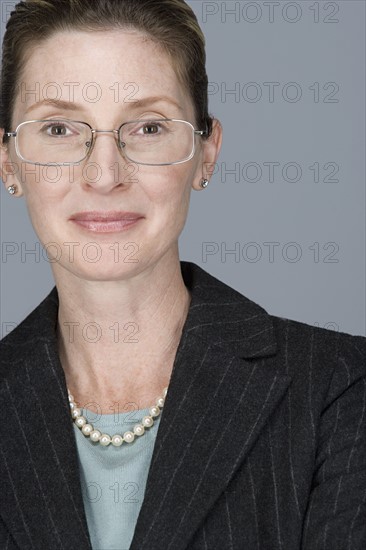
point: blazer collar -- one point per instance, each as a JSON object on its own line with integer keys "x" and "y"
{"x": 224, "y": 385}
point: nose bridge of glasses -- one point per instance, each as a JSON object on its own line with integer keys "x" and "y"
{"x": 114, "y": 132}
{"x": 105, "y": 131}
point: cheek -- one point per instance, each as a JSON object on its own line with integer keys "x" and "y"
{"x": 170, "y": 186}
{"x": 169, "y": 195}
{"x": 45, "y": 188}
{"x": 43, "y": 219}
{"x": 43, "y": 207}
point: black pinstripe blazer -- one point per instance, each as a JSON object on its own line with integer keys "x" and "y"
{"x": 261, "y": 443}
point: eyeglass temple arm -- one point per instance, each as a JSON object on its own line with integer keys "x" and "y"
{"x": 202, "y": 132}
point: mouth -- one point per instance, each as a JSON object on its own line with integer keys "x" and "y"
{"x": 106, "y": 222}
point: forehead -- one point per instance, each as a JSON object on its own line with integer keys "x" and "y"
{"x": 99, "y": 69}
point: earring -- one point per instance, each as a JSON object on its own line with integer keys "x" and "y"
{"x": 12, "y": 189}
{"x": 204, "y": 183}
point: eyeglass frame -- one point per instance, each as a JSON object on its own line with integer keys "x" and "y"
{"x": 119, "y": 143}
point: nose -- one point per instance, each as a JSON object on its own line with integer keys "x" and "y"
{"x": 106, "y": 166}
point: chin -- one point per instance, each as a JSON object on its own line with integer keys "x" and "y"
{"x": 98, "y": 272}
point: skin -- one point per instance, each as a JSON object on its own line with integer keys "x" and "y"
{"x": 112, "y": 291}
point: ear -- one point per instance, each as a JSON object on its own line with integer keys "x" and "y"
{"x": 210, "y": 152}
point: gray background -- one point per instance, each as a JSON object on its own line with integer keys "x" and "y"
{"x": 311, "y": 205}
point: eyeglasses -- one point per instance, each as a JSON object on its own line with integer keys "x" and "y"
{"x": 60, "y": 141}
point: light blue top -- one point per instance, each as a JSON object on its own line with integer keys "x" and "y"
{"x": 113, "y": 479}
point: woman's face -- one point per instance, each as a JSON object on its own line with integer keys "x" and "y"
{"x": 101, "y": 77}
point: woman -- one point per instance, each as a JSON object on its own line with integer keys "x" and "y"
{"x": 145, "y": 403}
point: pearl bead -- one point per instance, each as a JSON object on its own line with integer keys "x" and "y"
{"x": 105, "y": 440}
{"x": 154, "y": 411}
{"x": 87, "y": 429}
{"x": 95, "y": 435}
{"x": 138, "y": 429}
{"x": 147, "y": 421}
{"x": 80, "y": 421}
{"x": 75, "y": 413}
{"x": 128, "y": 437}
{"x": 117, "y": 440}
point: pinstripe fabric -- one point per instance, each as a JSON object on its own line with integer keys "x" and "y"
{"x": 261, "y": 443}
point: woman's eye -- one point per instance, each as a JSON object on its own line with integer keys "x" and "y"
{"x": 57, "y": 130}
{"x": 149, "y": 129}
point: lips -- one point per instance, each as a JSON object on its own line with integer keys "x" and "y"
{"x": 105, "y": 222}
{"x": 94, "y": 216}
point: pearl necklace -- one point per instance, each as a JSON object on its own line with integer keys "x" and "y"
{"x": 117, "y": 439}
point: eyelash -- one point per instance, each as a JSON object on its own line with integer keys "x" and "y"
{"x": 139, "y": 125}
{"x": 50, "y": 125}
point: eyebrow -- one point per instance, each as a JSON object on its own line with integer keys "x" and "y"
{"x": 133, "y": 105}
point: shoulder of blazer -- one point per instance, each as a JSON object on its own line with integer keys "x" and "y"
{"x": 39, "y": 325}
{"x": 334, "y": 359}
{"x": 298, "y": 330}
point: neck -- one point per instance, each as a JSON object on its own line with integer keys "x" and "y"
{"x": 118, "y": 340}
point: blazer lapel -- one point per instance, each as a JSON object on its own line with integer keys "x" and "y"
{"x": 41, "y": 500}
{"x": 224, "y": 386}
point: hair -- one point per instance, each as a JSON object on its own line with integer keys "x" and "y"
{"x": 170, "y": 23}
